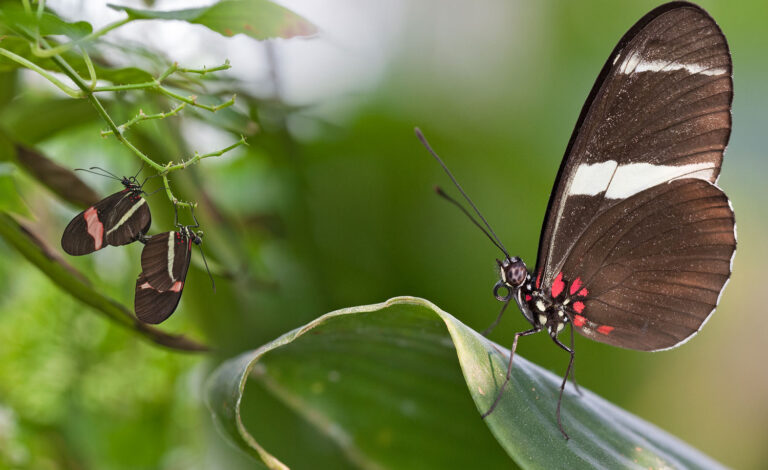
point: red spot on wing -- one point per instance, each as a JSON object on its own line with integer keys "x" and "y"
{"x": 578, "y": 306}
{"x": 146, "y": 286}
{"x": 177, "y": 286}
{"x": 528, "y": 297}
{"x": 576, "y": 285}
{"x": 538, "y": 280}
{"x": 583, "y": 292}
{"x": 558, "y": 285}
{"x": 95, "y": 227}
{"x": 578, "y": 320}
{"x": 604, "y": 329}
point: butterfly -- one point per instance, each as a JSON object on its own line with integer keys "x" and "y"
{"x": 638, "y": 240}
{"x": 118, "y": 219}
{"x": 164, "y": 264}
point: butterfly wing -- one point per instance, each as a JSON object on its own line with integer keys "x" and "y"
{"x": 129, "y": 219}
{"x": 651, "y": 268}
{"x": 659, "y": 110}
{"x": 165, "y": 260}
{"x": 86, "y": 233}
{"x": 154, "y": 306}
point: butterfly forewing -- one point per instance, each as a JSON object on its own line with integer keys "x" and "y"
{"x": 165, "y": 260}
{"x": 660, "y": 110}
{"x": 653, "y": 265}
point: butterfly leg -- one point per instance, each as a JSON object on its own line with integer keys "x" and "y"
{"x": 509, "y": 367}
{"x": 565, "y": 379}
{"x": 495, "y": 323}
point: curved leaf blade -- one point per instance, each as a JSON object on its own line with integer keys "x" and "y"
{"x": 404, "y": 329}
{"x": 259, "y": 19}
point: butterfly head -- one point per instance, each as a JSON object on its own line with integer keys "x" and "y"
{"x": 131, "y": 183}
{"x": 513, "y": 274}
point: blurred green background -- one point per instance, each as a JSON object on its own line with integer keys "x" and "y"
{"x": 332, "y": 206}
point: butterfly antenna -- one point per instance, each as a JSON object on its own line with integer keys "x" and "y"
{"x": 107, "y": 172}
{"x": 489, "y": 232}
{"x": 98, "y": 174}
{"x": 206, "y": 267}
{"x": 456, "y": 203}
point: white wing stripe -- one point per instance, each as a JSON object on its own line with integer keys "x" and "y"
{"x": 633, "y": 64}
{"x": 128, "y": 215}
{"x": 171, "y": 238}
{"x": 623, "y": 181}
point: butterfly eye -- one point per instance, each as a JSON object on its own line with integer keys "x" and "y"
{"x": 515, "y": 271}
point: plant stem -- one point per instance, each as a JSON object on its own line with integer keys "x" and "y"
{"x": 197, "y": 157}
{"x": 88, "y": 92}
{"x": 44, "y": 73}
{"x": 145, "y": 117}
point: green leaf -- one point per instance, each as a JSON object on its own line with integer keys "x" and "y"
{"x": 119, "y": 76}
{"x": 31, "y": 121}
{"x": 259, "y": 19}
{"x": 70, "y": 280}
{"x": 13, "y": 16}
{"x": 386, "y": 369}
{"x": 10, "y": 200}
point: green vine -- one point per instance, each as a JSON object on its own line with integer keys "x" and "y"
{"x": 88, "y": 89}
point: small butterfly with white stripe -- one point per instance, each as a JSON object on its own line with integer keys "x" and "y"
{"x": 118, "y": 219}
{"x": 164, "y": 262}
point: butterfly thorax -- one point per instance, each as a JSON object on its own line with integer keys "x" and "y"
{"x": 545, "y": 308}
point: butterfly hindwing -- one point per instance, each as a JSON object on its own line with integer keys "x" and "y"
{"x": 85, "y": 233}
{"x": 154, "y": 306}
{"x": 652, "y": 267}
{"x": 659, "y": 110}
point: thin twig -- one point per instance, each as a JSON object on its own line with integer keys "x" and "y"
{"x": 144, "y": 117}
{"x": 44, "y": 73}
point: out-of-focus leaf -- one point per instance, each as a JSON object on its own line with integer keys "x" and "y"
{"x": 61, "y": 180}
{"x": 10, "y": 200}
{"x": 120, "y": 76}
{"x": 7, "y": 148}
{"x": 13, "y": 16}
{"x": 30, "y": 122}
{"x": 380, "y": 379}
{"x": 76, "y": 285}
{"x": 259, "y": 19}
{"x": 8, "y": 87}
